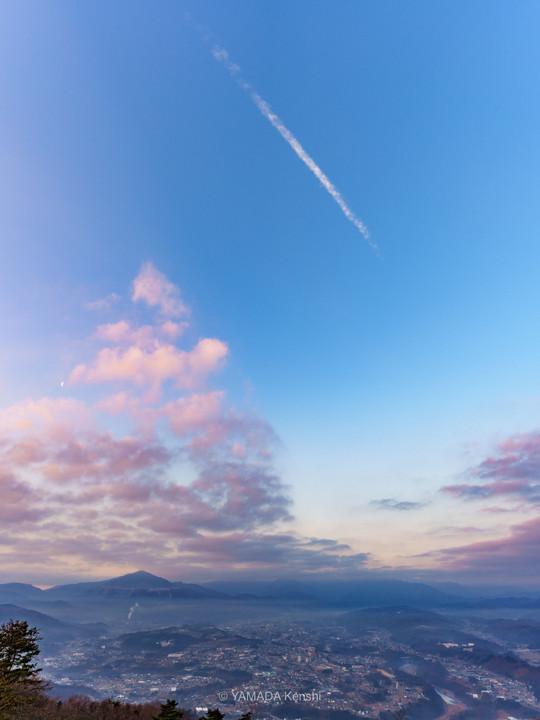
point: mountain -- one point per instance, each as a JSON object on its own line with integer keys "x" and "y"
{"x": 340, "y": 593}
{"x": 19, "y": 592}
{"x": 22, "y": 588}
{"x": 51, "y": 629}
{"x": 521, "y": 603}
{"x": 384, "y": 593}
{"x": 145, "y": 587}
{"x": 139, "y": 579}
{"x": 422, "y": 630}
{"x": 14, "y": 612}
{"x": 127, "y": 586}
{"x": 67, "y": 592}
{"x": 131, "y": 581}
{"x": 33, "y": 598}
{"x": 486, "y": 591}
{"x": 134, "y": 587}
{"x": 172, "y": 639}
{"x": 524, "y": 631}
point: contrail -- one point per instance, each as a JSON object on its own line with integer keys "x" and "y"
{"x": 222, "y": 56}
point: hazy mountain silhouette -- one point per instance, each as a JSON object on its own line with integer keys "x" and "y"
{"x": 52, "y": 630}
{"x": 118, "y": 594}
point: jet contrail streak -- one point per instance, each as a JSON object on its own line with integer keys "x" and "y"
{"x": 222, "y": 56}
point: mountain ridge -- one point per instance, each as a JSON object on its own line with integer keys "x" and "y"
{"x": 144, "y": 586}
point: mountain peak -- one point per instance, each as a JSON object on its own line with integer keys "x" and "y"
{"x": 138, "y": 579}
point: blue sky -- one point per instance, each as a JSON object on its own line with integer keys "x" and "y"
{"x": 386, "y": 376}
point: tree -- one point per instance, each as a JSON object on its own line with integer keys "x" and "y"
{"x": 19, "y": 674}
{"x": 213, "y": 715}
{"x": 169, "y": 711}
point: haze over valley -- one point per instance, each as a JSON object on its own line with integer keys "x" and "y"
{"x": 363, "y": 648}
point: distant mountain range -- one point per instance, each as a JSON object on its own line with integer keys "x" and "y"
{"x": 100, "y": 599}
{"x": 52, "y": 630}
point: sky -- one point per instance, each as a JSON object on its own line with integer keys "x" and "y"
{"x": 269, "y": 290}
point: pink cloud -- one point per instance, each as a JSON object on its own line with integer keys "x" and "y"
{"x": 81, "y": 473}
{"x": 512, "y": 472}
{"x": 124, "y": 486}
{"x": 238, "y": 450}
{"x": 173, "y": 330}
{"x": 85, "y": 456}
{"x": 181, "y": 475}
{"x": 122, "y": 333}
{"x": 20, "y": 502}
{"x": 53, "y": 415}
{"x": 103, "y": 303}
{"x": 517, "y": 458}
{"x": 146, "y": 337}
{"x": 26, "y": 452}
{"x": 119, "y": 403}
{"x": 140, "y": 367}
{"x": 154, "y": 288}
{"x": 231, "y": 436}
{"x": 188, "y": 414}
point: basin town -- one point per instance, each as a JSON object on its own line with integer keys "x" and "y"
{"x": 288, "y": 649}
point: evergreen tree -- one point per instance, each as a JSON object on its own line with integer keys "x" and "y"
{"x": 19, "y": 673}
{"x": 169, "y": 711}
{"x": 213, "y": 715}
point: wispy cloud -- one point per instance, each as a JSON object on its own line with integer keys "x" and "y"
{"x": 393, "y": 504}
{"x": 154, "y": 288}
{"x": 512, "y": 472}
{"x": 222, "y": 56}
{"x": 103, "y": 303}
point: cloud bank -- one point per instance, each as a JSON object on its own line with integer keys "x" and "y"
{"x": 146, "y": 464}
